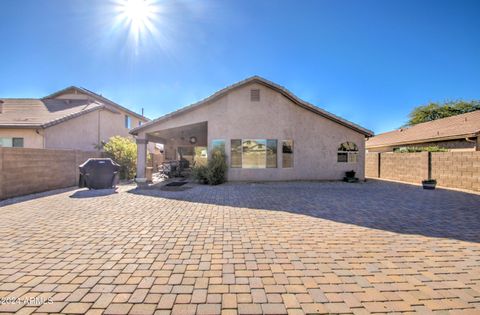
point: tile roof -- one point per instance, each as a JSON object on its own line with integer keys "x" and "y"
{"x": 35, "y": 113}
{"x": 455, "y": 127}
{"x": 267, "y": 83}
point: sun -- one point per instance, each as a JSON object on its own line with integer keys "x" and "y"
{"x": 137, "y": 11}
{"x": 138, "y": 16}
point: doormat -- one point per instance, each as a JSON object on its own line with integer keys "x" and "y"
{"x": 174, "y": 184}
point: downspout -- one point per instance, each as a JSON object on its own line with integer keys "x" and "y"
{"x": 98, "y": 131}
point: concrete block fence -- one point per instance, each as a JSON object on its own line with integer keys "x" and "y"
{"x": 24, "y": 171}
{"x": 450, "y": 169}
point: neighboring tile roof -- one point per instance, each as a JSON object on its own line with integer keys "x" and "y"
{"x": 273, "y": 86}
{"x": 455, "y": 127}
{"x": 35, "y": 113}
{"x": 98, "y": 97}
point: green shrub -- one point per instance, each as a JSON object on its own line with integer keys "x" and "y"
{"x": 216, "y": 168}
{"x": 433, "y": 148}
{"x": 214, "y": 172}
{"x": 123, "y": 151}
{"x": 199, "y": 173}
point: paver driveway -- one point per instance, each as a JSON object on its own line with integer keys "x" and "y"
{"x": 244, "y": 248}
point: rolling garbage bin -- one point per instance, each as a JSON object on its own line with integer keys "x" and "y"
{"x": 98, "y": 174}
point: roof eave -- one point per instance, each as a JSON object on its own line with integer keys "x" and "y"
{"x": 435, "y": 139}
{"x": 16, "y": 126}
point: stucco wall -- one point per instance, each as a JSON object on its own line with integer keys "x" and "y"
{"x": 78, "y": 133}
{"x": 85, "y": 131}
{"x": 316, "y": 139}
{"x": 112, "y": 124}
{"x": 31, "y": 139}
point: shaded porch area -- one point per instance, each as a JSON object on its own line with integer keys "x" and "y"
{"x": 183, "y": 147}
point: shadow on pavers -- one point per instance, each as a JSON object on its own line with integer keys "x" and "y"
{"x": 24, "y": 198}
{"x": 93, "y": 193}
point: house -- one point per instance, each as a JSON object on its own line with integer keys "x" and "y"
{"x": 456, "y": 133}
{"x": 267, "y": 133}
{"x": 73, "y": 118}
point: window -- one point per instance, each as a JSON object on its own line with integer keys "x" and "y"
{"x": 218, "y": 144}
{"x": 11, "y": 142}
{"x": 139, "y": 122}
{"x": 255, "y": 95}
{"x": 347, "y": 153}
{"x": 287, "y": 153}
{"x": 236, "y": 153}
{"x": 271, "y": 153}
{"x": 253, "y": 153}
{"x": 17, "y": 142}
{"x": 128, "y": 122}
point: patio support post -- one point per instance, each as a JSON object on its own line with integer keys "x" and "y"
{"x": 141, "y": 160}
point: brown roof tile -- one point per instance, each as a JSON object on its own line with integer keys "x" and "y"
{"x": 454, "y": 127}
{"x": 35, "y": 113}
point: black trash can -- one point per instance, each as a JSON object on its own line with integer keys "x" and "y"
{"x": 99, "y": 174}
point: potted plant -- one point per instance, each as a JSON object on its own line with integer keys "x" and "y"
{"x": 350, "y": 177}
{"x": 429, "y": 183}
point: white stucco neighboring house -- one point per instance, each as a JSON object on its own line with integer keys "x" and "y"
{"x": 266, "y": 131}
{"x": 73, "y": 118}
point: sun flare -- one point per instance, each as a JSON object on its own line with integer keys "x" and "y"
{"x": 138, "y": 16}
{"x": 137, "y": 11}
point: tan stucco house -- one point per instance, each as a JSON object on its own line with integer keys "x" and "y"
{"x": 267, "y": 133}
{"x": 456, "y": 133}
{"x": 73, "y": 118}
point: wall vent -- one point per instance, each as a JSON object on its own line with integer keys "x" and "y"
{"x": 255, "y": 95}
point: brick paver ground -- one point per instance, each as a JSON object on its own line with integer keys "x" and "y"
{"x": 278, "y": 248}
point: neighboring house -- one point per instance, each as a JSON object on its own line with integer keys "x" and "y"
{"x": 456, "y": 133}
{"x": 73, "y": 118}
{"x": 267, "y": 133}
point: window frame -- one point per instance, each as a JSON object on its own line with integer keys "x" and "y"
{"x": 242, "y": 152}
{"x": 12, "y": 142}
{"x": 21, "y": 139}
{"x": 351, "y": 154}
{"x": 293, "y": 154}
{"x": 213, "y": 146}
{"x": 128, "y": 122}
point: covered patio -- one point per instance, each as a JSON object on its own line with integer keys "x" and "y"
{"x": 185, "y": 145}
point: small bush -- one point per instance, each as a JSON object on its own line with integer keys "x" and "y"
{"x": 214, "y": 172}
{"x": 420, "y": 149}
{"x": 199, "y": 173}
{"x": 123, "y": 151}
{"x": 216, "y": 168}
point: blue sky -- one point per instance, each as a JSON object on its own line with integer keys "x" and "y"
{"x": 368, "y": 61}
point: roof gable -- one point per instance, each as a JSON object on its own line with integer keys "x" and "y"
{"x": 268, "y": 84}
{"x": 77, "y": 90}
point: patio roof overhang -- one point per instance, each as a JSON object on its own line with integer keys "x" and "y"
{"x": 181, "y": 134}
